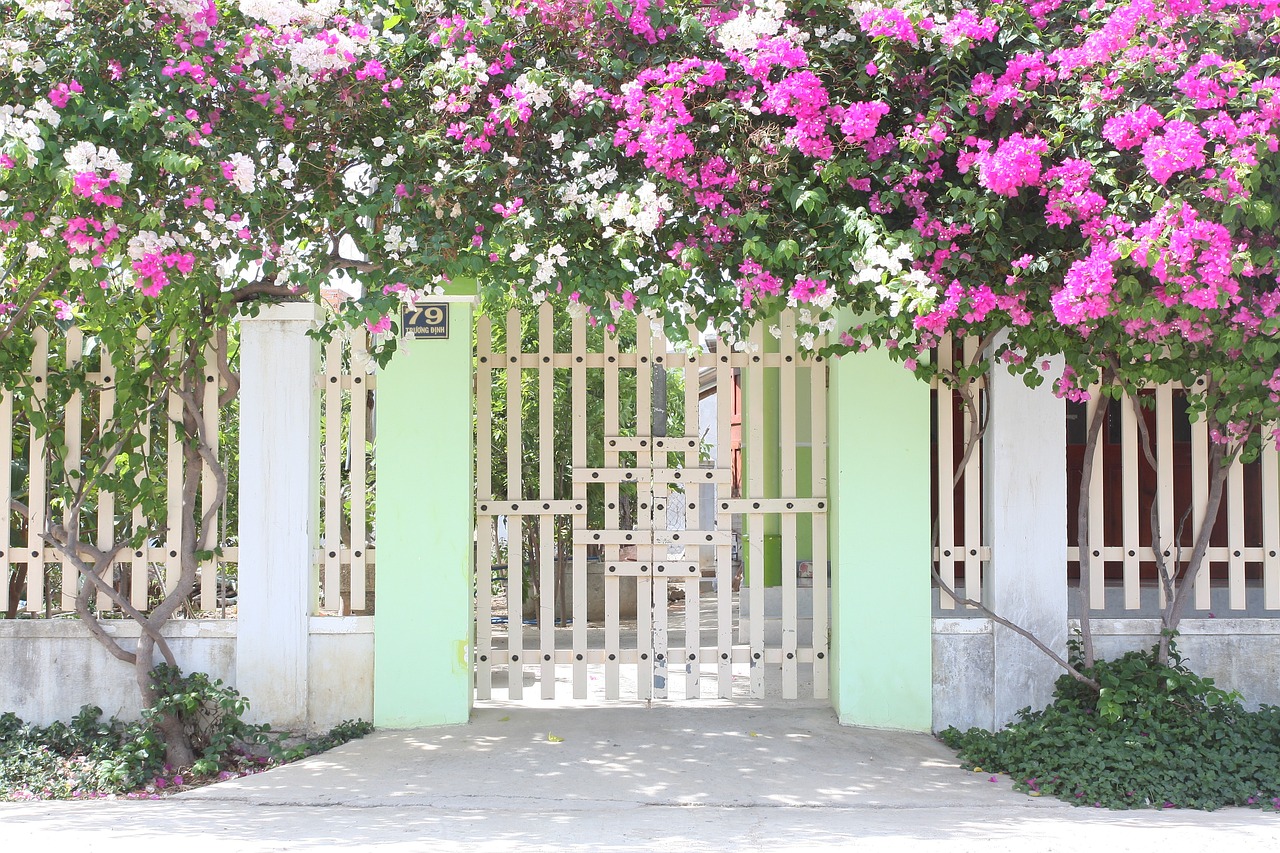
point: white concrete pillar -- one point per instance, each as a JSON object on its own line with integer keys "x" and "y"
{"x": 1025, "y": 514}
{"x": 279, "y": 509}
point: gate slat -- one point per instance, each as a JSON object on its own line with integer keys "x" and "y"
{"x": 611, "y": 515}
{"x": 484, "y": 521}
{"x": 546, "y": 491}
{"x": 693, "y": 586}
{"x": 724, "y": 521}
{"x": 755, "y": 462}
{"x": 787, "y": 450}
{"x": 579, "y": 408}
{"x": 818, "y": 438}
{"x": 515, "y": 529}
{"x": 652, "y": 345}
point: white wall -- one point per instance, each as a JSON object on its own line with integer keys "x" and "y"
{"x": 1238, "y": 654}
{"x": 50, "y": 668}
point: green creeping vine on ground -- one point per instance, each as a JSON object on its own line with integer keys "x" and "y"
{"x": 1154, "y": 736}
{"x": 89, "y": 757}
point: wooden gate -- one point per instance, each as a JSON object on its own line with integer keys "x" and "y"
{"x": 613, "y": 520}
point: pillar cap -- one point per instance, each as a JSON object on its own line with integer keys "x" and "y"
{"x": 298, "y": 312}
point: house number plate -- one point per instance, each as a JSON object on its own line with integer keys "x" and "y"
{"x": 426, "y": 321}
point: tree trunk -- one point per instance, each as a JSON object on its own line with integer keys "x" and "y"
{"x": 178, "y": 751}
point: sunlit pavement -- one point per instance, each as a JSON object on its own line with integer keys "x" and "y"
{"x": 713, "y": 777}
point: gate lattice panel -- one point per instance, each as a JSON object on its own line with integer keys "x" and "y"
{"x": 611, "y": 514}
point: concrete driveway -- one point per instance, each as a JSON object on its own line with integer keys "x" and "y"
{"x": 676, "y": 777}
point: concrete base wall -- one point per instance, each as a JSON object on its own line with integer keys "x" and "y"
{"x": 52, "y": 668}
{"x": 1238, "y": 654}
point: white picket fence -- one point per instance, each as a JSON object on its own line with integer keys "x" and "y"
{"x": 1244, "y": 557}
{"x": 35, "y": 577}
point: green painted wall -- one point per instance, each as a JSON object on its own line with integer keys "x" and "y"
{"x": 881, "y": 634}
{"x": 423, "y": 631}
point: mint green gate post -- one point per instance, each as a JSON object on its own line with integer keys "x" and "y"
{"x": 879, "y": 483}
{"x": 422, "y": 637}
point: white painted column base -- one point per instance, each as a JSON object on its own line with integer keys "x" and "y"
{"x": 1025, "y": 513}
{"x": 279, "y": 509}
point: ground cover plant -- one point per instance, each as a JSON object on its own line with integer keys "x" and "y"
{"x": 1156, "y": 735}
{"x": 89, "y": 757}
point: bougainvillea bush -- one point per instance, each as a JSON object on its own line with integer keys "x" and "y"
{"x": 1097, "y": 179}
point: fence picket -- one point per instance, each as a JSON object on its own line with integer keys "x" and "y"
{"x": 37, "y": 480}
{"x": 6, "y": 495}
{"x": 73, "y": 440}
{"x": 515, "y": 523}
{"x": 106, "y": 500}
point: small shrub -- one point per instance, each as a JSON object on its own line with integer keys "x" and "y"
{"x": 1153, "y": 736}
{"x": 92, "y": 757}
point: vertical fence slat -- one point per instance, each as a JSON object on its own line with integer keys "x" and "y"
{"x": 332, "y": 564}
{"x": 818, "y": 437}
{"x": 208, "y": 483}
{"x": 1271, "y": 518}
{"x": 73, "y": 428}
{"x": 578, "y": 405}
{"x": 1235, "y": 537}
{"x": 972, "y": 492}
{"x": 944, "y": 399}
{"x": 515, "y": 523}
{"x": 37, "y": 476}
{"x": 139, "y": 567}
{"x": 1129, "y": 505}
{"x": 787, "y": 483}
{"x": 6, "y": 494}
{"x": 359, "y": 402}
{"x": 692, "y": 462}
{"x": 754, "y": 385}
{"x": 484, "y": 521}
{"x": 724, "y": 521}
{"x": 1097, "y": 512}
{"x": 1164, "y": 479}
{"x": 1199, "y": 497}
{"x": 174, "y": 519}
{"x": 652, "y": 344}
{"x": 611, "y": 516}
{"x": 546, "y": 491}
{"x": 106, "y": 498}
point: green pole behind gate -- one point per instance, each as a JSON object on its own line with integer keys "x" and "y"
{"x": 879, "y": 482}
{"x": 423, "y": 627}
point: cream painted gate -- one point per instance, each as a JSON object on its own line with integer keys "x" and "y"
{"x": 612, "y": 487}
